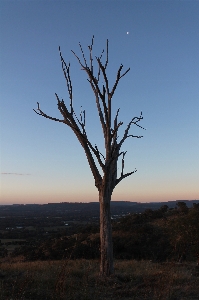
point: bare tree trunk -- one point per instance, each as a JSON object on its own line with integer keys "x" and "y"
{"x": 106, "y": 263}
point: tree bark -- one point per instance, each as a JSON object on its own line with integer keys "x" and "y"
{"x": 106, "y": 263}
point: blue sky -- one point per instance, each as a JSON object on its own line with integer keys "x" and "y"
{"x": 40, "y": 160}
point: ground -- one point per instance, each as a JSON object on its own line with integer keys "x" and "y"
{"x": 79, "y": 279}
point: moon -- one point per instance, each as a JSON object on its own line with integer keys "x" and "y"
{"x": 127, "y": 32}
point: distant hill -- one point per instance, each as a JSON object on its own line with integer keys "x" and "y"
{"x": 80, "y": 210}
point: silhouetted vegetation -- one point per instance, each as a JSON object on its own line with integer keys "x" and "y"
{"x": 159, "y": 235}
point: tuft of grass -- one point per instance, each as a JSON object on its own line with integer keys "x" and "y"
{"x": 79, "y": 279}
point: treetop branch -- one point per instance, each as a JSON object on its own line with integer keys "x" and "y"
{"x": 118, "y": 78}
{"x": 66, "y": 71}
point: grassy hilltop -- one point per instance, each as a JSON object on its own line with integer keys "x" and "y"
{"x": 78, "y": 279}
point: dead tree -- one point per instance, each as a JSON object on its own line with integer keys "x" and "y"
{"x": 106, "y": 182}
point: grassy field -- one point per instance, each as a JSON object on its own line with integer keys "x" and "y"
{"x": 79, "y": 280}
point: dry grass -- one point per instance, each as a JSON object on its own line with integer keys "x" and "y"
{"x": 79, "y": 280}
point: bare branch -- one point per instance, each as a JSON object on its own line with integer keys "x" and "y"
{"x": 94, "y": 169}
{"x": 101, "y": 54}
{"x": 81, "y": 124}
{"x": 102, "y": 120}
{"x": 96, "y": 152}
{"x": 115, "y": 130}
{"x": 41, "y": 113}
{"x": 91, "y": 57}
{"x": 78, "y": 60}
{"x": 135, "y": 136}
{"x": 83, "y": 55}
{"x": 124, "y": 176}
{"x": 118, "y": 78}
{"x": 114, "y": 134}
{"x": 95, "y": 87}
{"x": 99, "y": 152}
{"x": 94, "y": 84}
{"x": 68, "y": 117}
{"x": 66, "y": 71}
{"x": 106, "y": 54}
{"x": 104, "y": 74}
{"x": 134, "y": 121}
{"x": 98, "y": 74}
{"x": 82, "y": 121}
{"x": 122, "y": 173}
{"x": 125, "y": 73}
{"x": 81, "y": 137}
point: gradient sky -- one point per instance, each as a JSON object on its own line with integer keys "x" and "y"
{"x": 41, "y": 160}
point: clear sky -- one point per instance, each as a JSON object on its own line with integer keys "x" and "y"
{"x": 41, "y": 160}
